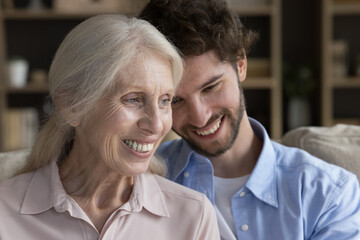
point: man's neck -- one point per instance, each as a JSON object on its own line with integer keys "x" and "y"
{"x": 241, "y": 159}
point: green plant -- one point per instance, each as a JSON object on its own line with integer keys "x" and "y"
{"x": 298, "y": 81}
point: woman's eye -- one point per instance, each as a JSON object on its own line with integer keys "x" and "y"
{"x": 132, "y": 99}
{"x": 165, "y": 102}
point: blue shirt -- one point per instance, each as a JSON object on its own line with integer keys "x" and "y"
{"x": 290, "y": 194}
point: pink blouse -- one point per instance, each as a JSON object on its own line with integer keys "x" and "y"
{"x": 36, "y": 206}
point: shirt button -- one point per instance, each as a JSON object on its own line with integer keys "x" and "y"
{"x": 242, "y": 194}
{"x": 186, "y": 174}
{"x": 244, "y": 227}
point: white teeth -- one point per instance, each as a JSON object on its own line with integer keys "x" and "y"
{"x": 139, "y": 147}
{"x": 150, "y": 146}
{"x": 134, "y": 146}
{"x": 211, "y": 131}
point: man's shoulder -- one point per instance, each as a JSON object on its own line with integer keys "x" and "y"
{"x": 171, "y": 148}
{"x": 176, "y": 153}
{"x": 298, "y": 161}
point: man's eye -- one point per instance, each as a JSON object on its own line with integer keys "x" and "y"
{"x": 209, "y": 88}
{"x": 175, "y": 100}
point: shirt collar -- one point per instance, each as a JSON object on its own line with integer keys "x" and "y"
{"x": 46, "y": 191}
{"x": 262, "y": 181}
{"x": 179, "y": 148}
{"x": 40, "y": 194}
{"x": 147, "y": 193}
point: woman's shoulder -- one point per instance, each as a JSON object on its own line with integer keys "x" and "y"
{"x": 13, "y": 189}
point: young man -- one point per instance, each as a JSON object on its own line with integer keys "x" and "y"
{"x": 260, "y": 189}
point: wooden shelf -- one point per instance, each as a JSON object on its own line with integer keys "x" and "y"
{"x": 259, "y": 83}
{"x": 345, "y": 8}
{"x": 350, "y": 82}
{"x": 28, "y": 89}
{"x": 263, "y": 10}
{"x": 351, "y": 121}
{"x": 330, "y": 29}
{"x": 50, "y": 14}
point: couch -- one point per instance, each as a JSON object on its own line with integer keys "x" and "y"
{"x": 339, "y": 145}
{"x": 11, "y": 162}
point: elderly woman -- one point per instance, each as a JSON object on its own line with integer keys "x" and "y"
{"x": 91, "y": 173}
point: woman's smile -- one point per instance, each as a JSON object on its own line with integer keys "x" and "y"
{"x": 139, "y": 147}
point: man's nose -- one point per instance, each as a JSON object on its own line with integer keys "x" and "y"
{"x": 199, "y": 113}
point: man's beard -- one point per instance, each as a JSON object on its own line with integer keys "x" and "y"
{"x": 221, "y": 146}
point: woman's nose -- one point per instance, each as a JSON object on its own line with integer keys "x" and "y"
{"x": 152, "y": 121}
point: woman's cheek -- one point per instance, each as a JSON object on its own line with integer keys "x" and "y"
{"x": 109, "y": 144}
{"x": 168, "y": 122}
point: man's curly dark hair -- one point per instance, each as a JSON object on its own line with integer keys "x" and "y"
{"x": 198, "y": 26}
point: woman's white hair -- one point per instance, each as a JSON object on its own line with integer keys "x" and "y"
{"x": 84, "y": 70}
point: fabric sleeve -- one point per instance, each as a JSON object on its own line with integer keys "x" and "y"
{"x": 341, "y": 219}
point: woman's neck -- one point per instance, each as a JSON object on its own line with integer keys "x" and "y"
{"x": 97, "y": 189}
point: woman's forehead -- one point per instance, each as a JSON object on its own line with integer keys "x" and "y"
{"x": 152, "y": 72}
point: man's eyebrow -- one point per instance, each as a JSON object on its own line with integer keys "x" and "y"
{"x": 211, "y": 80}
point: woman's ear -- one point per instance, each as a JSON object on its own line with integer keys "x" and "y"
{"x": 68, "y": 114}
{"x": 242, "y": 68}
{"x": 70, "y": 118}
{"x": 74, "y": 122}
